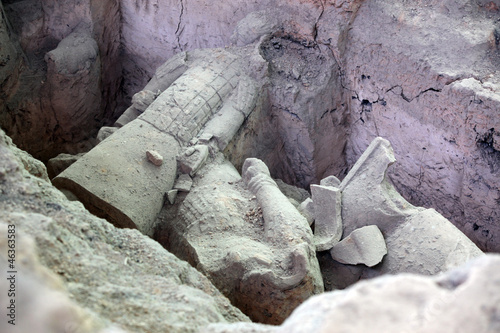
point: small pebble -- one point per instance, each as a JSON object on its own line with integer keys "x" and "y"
{"x": 154, "y": 157}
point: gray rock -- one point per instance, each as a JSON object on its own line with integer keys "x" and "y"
{"x": 365, "y": 246}
{"x": 154, "y": 157}
{"x": 183, "y": 183}
{"x": 330, "y": 181}
{"x": 32, "y": 285}
{"x": 462, "y": 300}
{"x": 328, "y": 225}
{"x": 33, "y": 166}
{"x": 143, "y": 99}
{"x": 101, "y": 266}
{"x": 60, "y": 163}
{"x": 192, "y": 159}
{"x": 295, "y": 193}
{"x": 171, "y": 196}
{"x": 240, "y": 328}
{"x": 104, "y": 132}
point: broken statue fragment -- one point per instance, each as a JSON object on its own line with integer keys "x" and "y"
{"x": 464, "y": 299}
{"x": 246, "y": 236}
{"x": 365, "y": 245}
{"x": 418, "y": 240}
{"x": 119, "y": 180}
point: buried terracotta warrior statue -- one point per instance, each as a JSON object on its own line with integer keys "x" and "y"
{"x": 163, "y": 172}
{"x": 250, "y": 240}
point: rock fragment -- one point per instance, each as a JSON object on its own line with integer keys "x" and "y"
{"x": 328, "y": 227}
{"x": 193, "y": 159}
{"x": 143, "y": 99}
{"x": 183, "y": 183}
{"x": 330, "y": 181}
{"x": 365, "y": 246}
{"x": 154, "y": 157}
{"x": 171, "y": 196}
{"x": 105, "y": 132}
{"x": 61, "y": 162}
{"x": 295, "y": 194}
{"x": 33, "y": 166}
